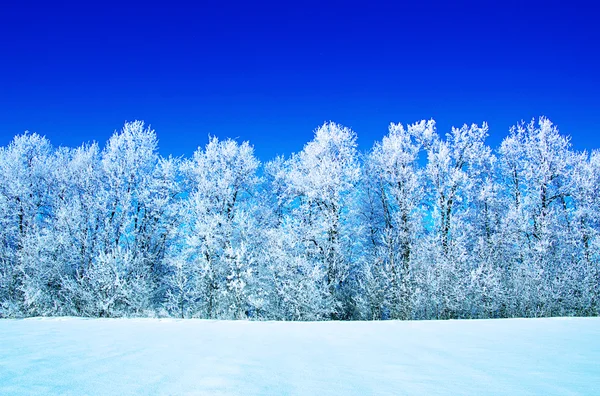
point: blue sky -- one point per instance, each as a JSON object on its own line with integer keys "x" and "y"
{"x": 271, "y": 72}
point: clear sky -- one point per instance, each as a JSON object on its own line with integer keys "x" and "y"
{"x": 271, "y": 72}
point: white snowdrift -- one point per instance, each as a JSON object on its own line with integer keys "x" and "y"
{"x": 157, "y": 356}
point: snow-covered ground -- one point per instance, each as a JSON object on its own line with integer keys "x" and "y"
{"x": 163, "y": 356}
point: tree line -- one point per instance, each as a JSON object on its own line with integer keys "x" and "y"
{"x": 422, "y": 226}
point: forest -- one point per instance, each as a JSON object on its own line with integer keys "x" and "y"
{"x": 423, "y": 225}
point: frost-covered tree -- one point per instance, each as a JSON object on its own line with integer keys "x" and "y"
{"x": 77, "y": 220}
{"x": 392, "y": 194}
{"x": 219, "y": 261}
{"x": 317, "y": 188}
{"x": 137, "y": 194}
{"x": 536, "y": 168}
{"x": 25, "y": 213}
{"x": 455, "y": 173}
{"x": 584, "y": 297}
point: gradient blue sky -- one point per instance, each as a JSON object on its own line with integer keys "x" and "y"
{"x": 270, "y": 72}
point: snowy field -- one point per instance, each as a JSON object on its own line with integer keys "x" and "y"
{"x": 559, "y": 356}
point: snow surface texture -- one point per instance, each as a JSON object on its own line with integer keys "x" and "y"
{"x": 169, "y": 356}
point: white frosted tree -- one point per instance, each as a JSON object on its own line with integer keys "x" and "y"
{"x": 585, "y": 290}
{"x": 25, "y": 214}
{"x": 318, "y": 190}
{"x": 137, "y": 196}
{"x": 393, "y": 196}
{"x": 78, "y": 217}
{"x": 215, "y": 279}
{"x": 455, "y": 169}
{"x": 536, "y": 167}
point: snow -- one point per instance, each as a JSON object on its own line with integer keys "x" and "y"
{"x": 554, "y": 356}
